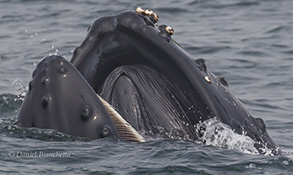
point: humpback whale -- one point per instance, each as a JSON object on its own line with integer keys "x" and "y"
{"x": 136, "y": 68}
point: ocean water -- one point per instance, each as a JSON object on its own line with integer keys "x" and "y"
{"x": 249, "y": 42}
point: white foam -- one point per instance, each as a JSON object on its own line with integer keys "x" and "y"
{"x": 221, "y": 135}
{"x": 20, "y": 88}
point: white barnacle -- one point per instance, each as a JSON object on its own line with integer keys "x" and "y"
{"x": 139, "y": 10}
{"x": 208, "y": 79}
{"x": 156, "y": 17}
{"x": 148, "y": 12}
{"x": 170, "y": 30}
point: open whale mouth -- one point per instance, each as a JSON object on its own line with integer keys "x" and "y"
{"x": 128, "y": 53}
{"x": 149, "y": 79}
{"x": 135, "y": 65}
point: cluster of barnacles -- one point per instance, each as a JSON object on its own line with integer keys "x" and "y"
{"x": 169, "y": 29}
{"x": 148, "y": 12}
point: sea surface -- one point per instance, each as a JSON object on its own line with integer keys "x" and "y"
{"x": 249, "y": 42}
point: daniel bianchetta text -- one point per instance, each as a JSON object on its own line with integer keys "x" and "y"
{"x": 38, "y": 154}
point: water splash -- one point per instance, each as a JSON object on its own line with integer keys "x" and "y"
{"x": 267, "y": 151}
{"x": 214, "y": 133}
{"x": 220, "y": 135}
{"x": 20, "y": 88}
{"x": 9, "y": 104}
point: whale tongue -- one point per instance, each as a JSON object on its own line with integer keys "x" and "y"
{"x": 125, "y": 130}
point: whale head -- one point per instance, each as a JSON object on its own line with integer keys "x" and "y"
{"x": 59, "y": 98}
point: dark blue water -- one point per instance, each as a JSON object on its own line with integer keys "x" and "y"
{"x": 249, "y": 42}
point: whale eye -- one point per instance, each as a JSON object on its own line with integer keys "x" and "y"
{"x": 105, "y": 132}
{"x": 85, "y": 113}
